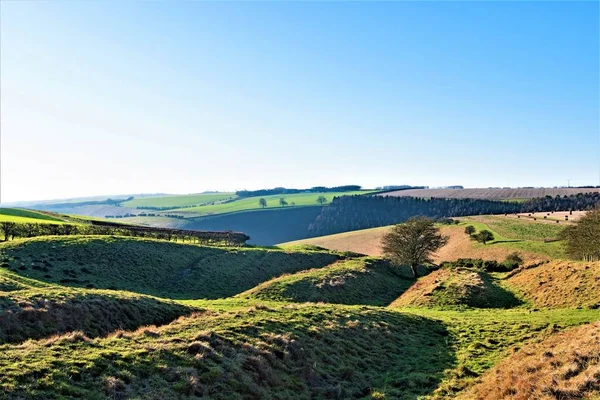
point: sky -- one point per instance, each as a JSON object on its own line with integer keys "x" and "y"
{"x": 124, "y": 97}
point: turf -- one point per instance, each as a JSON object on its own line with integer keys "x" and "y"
{"x": 367, "y": 281}
{"x": 158, "y": 268}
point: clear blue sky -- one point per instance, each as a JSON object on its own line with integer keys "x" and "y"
{"x": 129, "y": 97}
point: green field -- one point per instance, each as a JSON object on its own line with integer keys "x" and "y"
{"x": 26, "y": 216}
{"x": 251, "y": 203}
{"x": 178, "y": 200}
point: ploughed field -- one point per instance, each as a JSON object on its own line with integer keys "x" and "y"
{"x": 492, "y": 194}
{"x": 95, "y": 317}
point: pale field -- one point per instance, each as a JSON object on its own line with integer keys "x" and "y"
{"x": 496, "y": 194}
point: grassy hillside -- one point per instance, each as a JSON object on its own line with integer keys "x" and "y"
{"x": 25, "y": 216}
{"x": 560, "y": 284}
{"x": 41, "y": 312}
{"x": 159, "y": 268}
{"x": 178, "y": 200}
{"x": 457, "y": 287}
{"x": 251, "y": 203}
{"x": 298, "y": 352}
{"x": 359, "y": 281}
{"x": 565, "y": 366}
{"x": 511, "y": 234}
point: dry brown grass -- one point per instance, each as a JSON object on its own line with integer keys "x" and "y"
{"x": 560, "y": 284}
{"x": 368, "y": 241}
{"x": 565, "y": 366}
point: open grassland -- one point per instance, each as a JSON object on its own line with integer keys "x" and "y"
{"x": 179, "y": 200}
{"x": 367, "y": 281}
{"x": 230, "y": 349}
{"x": 27, "y": 216}
{"x": 457, "y": 287}
{"x": 251, "y": 203}
{"x": 565, "y": 366}
{"x": 560, "y": 284}
{"x": 511, "y": 234}
{"x": 492, "y": 194}
{"x": 164, "y": 269}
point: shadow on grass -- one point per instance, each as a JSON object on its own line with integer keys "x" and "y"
{"x": 304, "y": 353}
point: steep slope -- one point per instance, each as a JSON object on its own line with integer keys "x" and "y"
{"x": 164, "y": 269}
{"x": 565, "y": 366}
{"x": 359, "y": 281}
{"x": 457, "y": 287}
{"x": 560, "y": 284}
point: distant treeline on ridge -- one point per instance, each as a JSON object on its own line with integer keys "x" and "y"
{"x": 350, "y": 213}
{"x": 282, "y": 190}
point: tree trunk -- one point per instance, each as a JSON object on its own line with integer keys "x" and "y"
{"x": 413, "y": 268}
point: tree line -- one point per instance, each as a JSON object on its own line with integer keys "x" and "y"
{"x": 13, "y": 230}
{"x": 349, "y": 213}
{"x": 282, "y": 190}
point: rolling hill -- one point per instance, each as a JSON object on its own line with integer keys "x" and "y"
{"x": 159, "y": 268}
{"x": 367, "y": 281}
{"x": 492, "y": 193}
{"x": 526, "y": 236}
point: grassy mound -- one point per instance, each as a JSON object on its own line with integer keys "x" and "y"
{"x": 358, "y": 281}
{"x": 565, "y": 366}
{"x": 158, "y": 268}
{"x": 289, "y": 352}
{"x": 560, "y": 284}
{"x": 38, "y": 313}
{"x": 457, "y": 287}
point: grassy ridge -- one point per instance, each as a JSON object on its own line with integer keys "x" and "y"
{"x": 455, "y": 288}
{"x": 158, "y": 268}
{"x": 360, "y": 281}
{"x": 38, "y": 313}
{"x": 26, "y": 216}
{"x": 560, "y": 284}
{"x": 298, "y": 352}
{"x": 564, "y": 366}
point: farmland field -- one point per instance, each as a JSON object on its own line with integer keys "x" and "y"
{"x": 511, "y": 234}
{"x": 178, "y": 200}
{"x": 492, "y": 194}
{"x": 25, "y": 216}
{"x": 251, "y": 203}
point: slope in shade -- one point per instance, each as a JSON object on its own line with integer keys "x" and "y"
{"x": 38, "y": 313}
{"x": 455, "y": 288}
{"x": 359, "y": 281}
{"x": 163, "y": 269}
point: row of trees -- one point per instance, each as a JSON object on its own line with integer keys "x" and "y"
{"x": 348, "y": 213}
{"x": 262, "y": 202}
{"x": 282, "y": 190}
{"x": 13, "y": 230}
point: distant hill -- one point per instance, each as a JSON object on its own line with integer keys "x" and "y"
{"x": 492, "y": 193}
